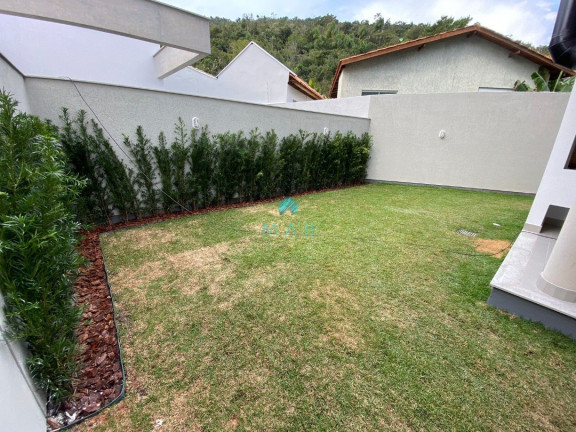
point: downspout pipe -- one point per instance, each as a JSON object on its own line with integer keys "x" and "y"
{"x": 563, "y": 43}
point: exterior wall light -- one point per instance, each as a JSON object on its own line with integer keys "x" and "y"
{"x": 195, "y": 123}
{"x": 442, "y": 134}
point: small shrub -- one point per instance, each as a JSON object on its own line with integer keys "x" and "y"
{"x": 267, "y": 167}
{"x": 201, "y": 159}
{"x": 179, "y": 154}
{"x": 92, "y": 203}
{"x": 163, "y": 159}
{"x": 118, "y": 178}
{"x": 111, "y": 184}
{"x": 141, "y": 152}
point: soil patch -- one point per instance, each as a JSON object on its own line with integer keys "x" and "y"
{"x": 496, "y": 248}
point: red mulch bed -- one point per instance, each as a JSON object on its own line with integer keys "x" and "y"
{"x": 100, "y": 380}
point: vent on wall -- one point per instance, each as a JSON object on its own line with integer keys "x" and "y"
{"x": 555, "y": 216}
{"x": 571, "y": 163}
{"x": 378, "y": 92}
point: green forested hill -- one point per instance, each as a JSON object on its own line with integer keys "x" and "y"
{"x": 312, "y": 47}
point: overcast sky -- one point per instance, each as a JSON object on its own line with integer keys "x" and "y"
{"x": 528, "y": 20}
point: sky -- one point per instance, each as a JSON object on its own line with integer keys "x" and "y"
{"x": 527, "y": 20}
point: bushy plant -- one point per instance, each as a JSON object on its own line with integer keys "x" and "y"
{"x": 267, "y": 167}
{"x": 111, "y": 183}
{"x": 117, "y": 178}
{"x": 201, "y": 160}
{"x": 141, "y": 152}
{"x": 78, "y": 144}
{"x": 163, "y": 159}
{"x": 228, "y": 173}
{"x": 38, "y": 258}
{"x": 179, "y": 156}
{"x": 198, "y": 170}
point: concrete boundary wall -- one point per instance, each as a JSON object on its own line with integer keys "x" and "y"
{"x": 122, "y": 109}
{"x": 12, "y": 81}
{"x": 492, "y": 141}
{"x": 355, "y": 106}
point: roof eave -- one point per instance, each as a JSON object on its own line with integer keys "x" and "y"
{"x": 300, "y": 85}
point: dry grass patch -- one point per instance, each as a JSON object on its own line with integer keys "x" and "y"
{"x": 204, "y": 266}
{"x": 495, "y": 248}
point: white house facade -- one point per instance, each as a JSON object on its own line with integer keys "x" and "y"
{"x": 465, "y": 60}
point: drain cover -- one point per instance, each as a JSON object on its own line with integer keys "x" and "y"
{"x": 466, "y": 233}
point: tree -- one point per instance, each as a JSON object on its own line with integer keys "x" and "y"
{"x": 543, "y": 83}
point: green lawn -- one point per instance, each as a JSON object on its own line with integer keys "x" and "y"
{"x": 378, "y": 322}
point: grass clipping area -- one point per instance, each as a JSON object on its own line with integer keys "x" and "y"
{"x": 378, "y": 322}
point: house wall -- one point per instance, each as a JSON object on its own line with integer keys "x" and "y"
{"x": 352, "y": 106}
{"x": 558, "y": 186}
{"x": 296, "y": 96}
{"x": 457, "y": 64}
{"x": 494, "y": 141}
{"x": 122, "y": 109}
{"x": 12, "y": 81}
{"x": 22, "y": 408}
{"x": 255, "y": 76}
{"x": 52, "y": 50}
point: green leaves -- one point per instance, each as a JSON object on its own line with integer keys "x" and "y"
{"x": 542, "y": 82}
{"x": 38, "y": 257}
{"x": 141, "y": 152}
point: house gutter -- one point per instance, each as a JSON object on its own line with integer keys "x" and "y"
{"x": 563, "y": 43}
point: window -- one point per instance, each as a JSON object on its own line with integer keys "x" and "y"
{"x": 571, "y": 163}
{"x": 378, "y": 92}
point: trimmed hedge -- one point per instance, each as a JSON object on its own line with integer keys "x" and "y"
{"x": 198, "y": 169}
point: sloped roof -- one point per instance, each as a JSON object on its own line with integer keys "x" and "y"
{"x": 293, "y": 79}
{"x": 475, "y": 30}
{"x": 302, "y": 86}
{"x": 253, "y": 44}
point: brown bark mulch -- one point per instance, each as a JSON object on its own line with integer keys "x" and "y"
{"x": 100, "y": 380}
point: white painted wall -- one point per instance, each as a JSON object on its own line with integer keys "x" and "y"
{"x": 256, "y": 76}
{"x": 40, "y": 48}
{"x": 558, "y": 186}
{"x": 296, "y": 96}
{"x": 46, "y": 49}
{"x": 352, "y": 106}
{"x": 12, "y": 81}
{"x": 253, "y": 76}
{"x": 494, "y": 141}
{"x": 22, "y": 408}
{"x": 122, "y": 109}
{"x": 457, "y": 64}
